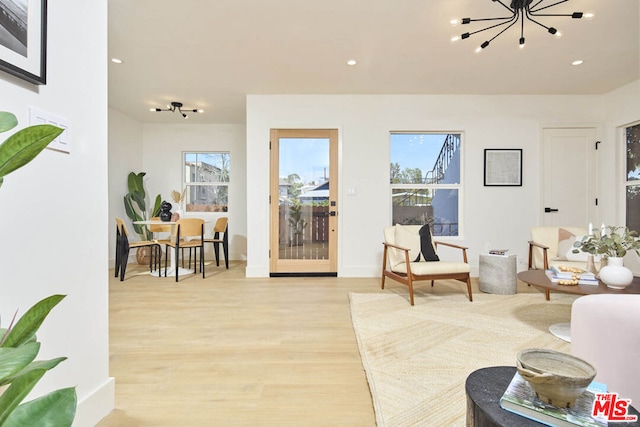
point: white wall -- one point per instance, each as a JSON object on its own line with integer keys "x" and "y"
{"x": 55, "y": 209}
{"x": 125, "y": 155}
{"x": 501, "y": 216}
{"x": 163, "y": 146}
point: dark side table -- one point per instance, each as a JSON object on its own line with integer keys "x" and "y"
{"x": 484, "y": 389}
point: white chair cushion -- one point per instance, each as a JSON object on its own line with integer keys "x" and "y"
{"x": 433, "y": 267}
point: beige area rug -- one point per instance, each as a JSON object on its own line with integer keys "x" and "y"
{"x": 418, "y": 358}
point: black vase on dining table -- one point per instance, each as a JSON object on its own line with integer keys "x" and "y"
{"x": 165, "y": 211}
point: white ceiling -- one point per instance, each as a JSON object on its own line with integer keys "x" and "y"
{"x": 211, "y": 53}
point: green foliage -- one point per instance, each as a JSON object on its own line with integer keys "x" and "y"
{"x": 295, "y": 187}
{"x": 21, "y": 372}
{"x": 135, "y": 205}
{"x": 24, "y": 145}
{"x": 406, "y": 176}
{"x": 613, "y": 244}
{"x": 297, "y": 223}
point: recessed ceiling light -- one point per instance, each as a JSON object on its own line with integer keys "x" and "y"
{"x": 116, "y": 60}
{"x": 352, "y": 62}
{"x": 577, "y": 62}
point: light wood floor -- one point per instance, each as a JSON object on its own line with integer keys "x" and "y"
{"x": 231, "y": 351}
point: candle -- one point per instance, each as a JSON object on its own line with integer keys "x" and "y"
{"x": 590, "y": 229}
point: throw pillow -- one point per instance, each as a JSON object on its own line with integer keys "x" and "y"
{"x": 565, "y": 243}
{"x": 409, "y": 240}
{"x": 426, "y": 245}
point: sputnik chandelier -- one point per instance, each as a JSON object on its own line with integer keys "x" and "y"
{"x": 177, "y": 106}
{"x": 520, "y": 10}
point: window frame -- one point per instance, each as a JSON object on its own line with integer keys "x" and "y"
{"x": 450, "y": 186}
{"x": 627, "y": 182}
{"x": 186, "y": 184}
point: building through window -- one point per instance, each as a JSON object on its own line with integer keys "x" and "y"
{"x": 425, "y": 180}
{"x": 206, "y": 179}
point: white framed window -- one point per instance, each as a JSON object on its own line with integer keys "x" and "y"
{"x": 632, "y": 146}
{"x": 206, "y": 178}
{"x": 425, "y": 180}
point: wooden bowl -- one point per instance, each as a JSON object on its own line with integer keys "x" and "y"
{"x": 557, "y": 378}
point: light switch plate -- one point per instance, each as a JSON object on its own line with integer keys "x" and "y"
{"x": 40, "y": 117}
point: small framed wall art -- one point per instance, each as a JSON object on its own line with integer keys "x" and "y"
{"x": 502, "y": 167}
{"x": 23, "y": 39}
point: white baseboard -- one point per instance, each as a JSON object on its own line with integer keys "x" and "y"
{"x": 97, "y": 405}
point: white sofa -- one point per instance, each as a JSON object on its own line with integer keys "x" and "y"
{"x": 605, "y": 331}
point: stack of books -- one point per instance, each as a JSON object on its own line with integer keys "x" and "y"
{"x": 498, "y": 252}
{"x": 520, "y": 398}
{"x": 571, "y": 276}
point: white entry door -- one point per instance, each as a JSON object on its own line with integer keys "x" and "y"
{"x": 569, "y": 177}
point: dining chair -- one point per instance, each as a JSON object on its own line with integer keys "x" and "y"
{"x": 221, "y": 226}
{"x": 188, "y": 233}
{"x": 123, "y": 246}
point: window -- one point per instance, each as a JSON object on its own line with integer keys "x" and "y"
{"x": 206, "y": 179}
{"x": 632, "y": 137}
{"x": 425, "y": 180}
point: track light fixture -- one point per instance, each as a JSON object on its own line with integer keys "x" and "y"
{"x": 520, "y": 10}
{"x": 177, "y": 106}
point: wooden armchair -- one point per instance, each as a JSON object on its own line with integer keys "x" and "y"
{"x": 401, "y": 249}
{"x": 552, "y": 246}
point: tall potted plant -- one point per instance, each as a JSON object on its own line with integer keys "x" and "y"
{"x": 297, "y": 223}
{"x": 135, "y": 206}
{"x": 19, "y": 371}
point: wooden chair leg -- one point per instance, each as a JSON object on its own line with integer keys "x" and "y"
{"x": 469, "y": 289}
{"x": 384, "y": 265}
{"x": 410, "y": 284}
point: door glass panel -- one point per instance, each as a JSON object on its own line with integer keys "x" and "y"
{"x": 303, "y": 198}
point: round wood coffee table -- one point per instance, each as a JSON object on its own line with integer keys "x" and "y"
{"x": 539, "y": 279}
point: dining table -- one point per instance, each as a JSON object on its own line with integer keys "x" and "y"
{"x": 171, "y": 269}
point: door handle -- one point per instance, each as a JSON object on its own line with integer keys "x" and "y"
{"x": 547, "y": 210}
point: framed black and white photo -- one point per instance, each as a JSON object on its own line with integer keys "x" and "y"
{"x": 502, "y": 167}
{"x": 23, "y": 39}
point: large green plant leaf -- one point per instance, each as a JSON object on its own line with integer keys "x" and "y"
{"x": 134, "y": 216}
{"x": 138, "y": 197}
{"x": 56, "y": 409}
{"x": 25, "y": 329}
{"x": 7, "y": 121}
{"x": 15, "y": 359}
{"x": 135, "y": 183}
{"x": 17, "y": 391}
{"x": 38, "y": 364}
{"x": 24, "y": 145}
{"x": 156, "y": 206}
